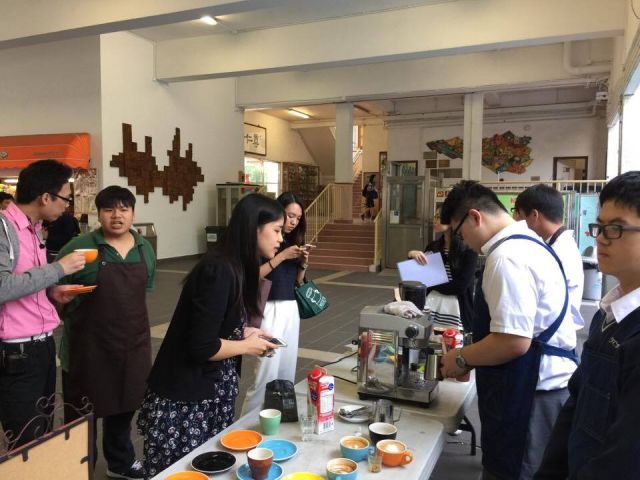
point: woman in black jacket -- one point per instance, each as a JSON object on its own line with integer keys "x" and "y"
{"x": 193, "y": 384}
{"x": 460, "y": 263}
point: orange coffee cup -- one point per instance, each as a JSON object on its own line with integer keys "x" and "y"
{"x": 90, "y": 254}
{"x": 394, "y": 453}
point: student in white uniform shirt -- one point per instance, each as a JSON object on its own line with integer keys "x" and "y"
{"x": 542, "y": 208}
{"x": 523, "y": 343}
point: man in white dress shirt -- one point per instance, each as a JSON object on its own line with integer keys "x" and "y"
{"x": 522, "y": 350}
{"x": 542, "y": 208}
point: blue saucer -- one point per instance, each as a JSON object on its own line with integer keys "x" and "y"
{"x": 282, "y": 449}
{"x": 244, "y": 473}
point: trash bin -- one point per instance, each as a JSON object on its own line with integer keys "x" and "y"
{"x": 148, "y": 232}
{"x": 214, "y": 233}
{"x": 592, "y": 279}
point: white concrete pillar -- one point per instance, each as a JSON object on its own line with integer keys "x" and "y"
{"x": 344, "y": 143}
{"x": 344, "y": 158}
{"x": 473, "y": 122}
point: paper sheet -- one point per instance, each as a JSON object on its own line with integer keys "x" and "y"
{"x": 433, "y": 273}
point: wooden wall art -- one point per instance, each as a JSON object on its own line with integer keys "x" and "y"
{"x": 178, "y": 179}
{"x": 182, "y": 175}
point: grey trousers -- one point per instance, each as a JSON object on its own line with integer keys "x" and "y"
{"x": 546, "y": 407}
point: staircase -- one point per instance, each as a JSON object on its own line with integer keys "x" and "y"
{"x": 356, "y": 197}
{"x": 344, "y": 247}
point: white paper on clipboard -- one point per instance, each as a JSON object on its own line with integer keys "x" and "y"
{"x": 433, "y": 273}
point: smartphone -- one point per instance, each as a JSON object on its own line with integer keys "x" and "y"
{"x": 276, "y": 341}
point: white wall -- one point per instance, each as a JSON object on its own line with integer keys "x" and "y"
{"x": 375, "y": 141}
{"x": 52, "y": 88}
{"x": 283, "y": 143}
{"x": 550, "y": 138}
{"x": 206, "y": 115}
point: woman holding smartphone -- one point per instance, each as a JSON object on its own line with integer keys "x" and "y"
{"x": 193, "y": 384}
{"x": 281, "y": 317}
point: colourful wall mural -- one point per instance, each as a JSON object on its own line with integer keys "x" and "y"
{"x": 504, "y": 152}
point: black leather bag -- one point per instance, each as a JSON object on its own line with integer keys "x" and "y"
{"x": 281, "y": 395}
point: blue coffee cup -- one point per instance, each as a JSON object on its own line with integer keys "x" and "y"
{"x": 342, "y": 469}
{"x": 354, "y": 448}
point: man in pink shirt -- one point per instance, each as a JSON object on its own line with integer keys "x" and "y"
{"x": 27, "y": 289}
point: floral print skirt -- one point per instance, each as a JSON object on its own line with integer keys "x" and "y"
{"x": 171, "y": 429}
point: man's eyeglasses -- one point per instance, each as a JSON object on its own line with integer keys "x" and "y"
{"x": 64, "y": 199}
{"x": 610, "y": 231}
{"x": 457, "y": 229}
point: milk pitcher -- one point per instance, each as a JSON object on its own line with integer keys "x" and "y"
{"x": 383, "y": 412}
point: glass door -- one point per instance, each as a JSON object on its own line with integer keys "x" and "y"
{"x": 405, "y": 218}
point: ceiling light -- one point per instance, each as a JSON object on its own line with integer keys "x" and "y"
{"x": 298, "y": 114}
{"x": 11, "y": 181}
{"x": 209, "y": 20}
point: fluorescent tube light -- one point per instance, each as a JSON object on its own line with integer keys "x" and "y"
{"x": 209, "y": 20}
{"x": 298, "y": 114}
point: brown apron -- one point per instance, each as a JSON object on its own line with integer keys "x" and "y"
{"x": 110, "y": 343}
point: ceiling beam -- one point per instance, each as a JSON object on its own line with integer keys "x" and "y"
{"x": 27, "y": 22}
{"x": 523, "y": 68}
{"x": 425, "y": 31}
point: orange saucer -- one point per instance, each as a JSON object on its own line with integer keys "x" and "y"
{"x": 240, "y": 440}
{"x": 79, "y": 290}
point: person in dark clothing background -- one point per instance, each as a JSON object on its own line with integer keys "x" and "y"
{"x": 596, "y": 433}
{"x": 370, "y": 194}
{"x": 5, "y": 200}
{"x": 460, "y": 263}
{"x": 59, "y": 233}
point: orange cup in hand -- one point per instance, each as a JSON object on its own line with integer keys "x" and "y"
{"x": 90, "y": 254}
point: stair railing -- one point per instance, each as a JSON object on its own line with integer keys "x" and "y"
{"x": 357, "y": 165}
{"x": 377, "y": 246}
{"x": 321, "y": 211}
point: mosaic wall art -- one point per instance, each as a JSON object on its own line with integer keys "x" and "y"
{"x": 501, "y": 153}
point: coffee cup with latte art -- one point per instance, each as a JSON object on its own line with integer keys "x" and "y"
{"x": 354, "y": 448}
{"x": 342, "y": 469}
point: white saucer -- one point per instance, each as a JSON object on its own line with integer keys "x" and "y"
{"x": 358, "y": 418}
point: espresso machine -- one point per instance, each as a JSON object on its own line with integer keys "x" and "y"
{"x": 396, "y": 359}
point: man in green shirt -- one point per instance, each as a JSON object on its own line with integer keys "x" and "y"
{"x": 106, "y": 346}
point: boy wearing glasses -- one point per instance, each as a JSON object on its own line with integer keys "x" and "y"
{"x": 523, "y": 339}
{"x": 27, "y": 289}
{"x": 596, "y": 433}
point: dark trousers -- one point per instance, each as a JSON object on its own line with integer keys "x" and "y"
{"x": 27, "y": 374}
{"x": 116, "y": 436}
{"x": 546, "y": 407}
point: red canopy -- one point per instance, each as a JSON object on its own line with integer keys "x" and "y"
{"x": 69, "y": 148}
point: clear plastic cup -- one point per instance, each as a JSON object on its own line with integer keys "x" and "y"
{"x": 374, "y": 460}
{"x": 307, "y": 427}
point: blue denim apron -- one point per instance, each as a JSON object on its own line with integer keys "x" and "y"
{"x": 506, "y": 392}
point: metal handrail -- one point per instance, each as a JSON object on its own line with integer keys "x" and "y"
{"x": 377, "y": 248}
{"x": 320, "y": 212}
{"x": 582, "y": 186}
{"x": 357, "y": 164}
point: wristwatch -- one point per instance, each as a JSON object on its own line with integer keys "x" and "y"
{"x": 460, "y": 361}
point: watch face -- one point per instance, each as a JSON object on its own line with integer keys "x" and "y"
{"x": 460, "y": 362}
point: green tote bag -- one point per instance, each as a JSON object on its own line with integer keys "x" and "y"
{"x": 310, "y": 300}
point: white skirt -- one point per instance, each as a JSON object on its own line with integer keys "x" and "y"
{"x": 281, "y": 319}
